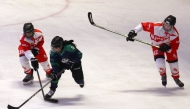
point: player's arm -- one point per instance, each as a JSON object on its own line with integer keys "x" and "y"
{"x": 71, "y": 50}
{"x": 175, "y": 41}
{"x": 54, "y": 61}
{"x": 41, "y": 42}
{"x": 39, "y": 45}
{"x": 71, "y": 56}
{"x": 146, "y": 26}
{"x": 26, "y": 49}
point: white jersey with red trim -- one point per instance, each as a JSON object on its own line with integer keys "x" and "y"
{"x": 158, "y": 35}
{"x": 26, "y": 44}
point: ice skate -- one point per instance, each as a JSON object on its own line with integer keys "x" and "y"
{"x": 81, "y": 84}
{"x": 28, "y": 79}
{"x": 49, "y": 94}
{"x": 178, "y": 82}
{"x": 164, "y": 80}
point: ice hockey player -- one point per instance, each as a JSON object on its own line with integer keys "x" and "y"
{"x": 31, "y": 49}
{"x": 64, "y": 55}
{"x": 165, "y": 35}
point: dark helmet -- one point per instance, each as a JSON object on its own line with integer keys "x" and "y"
{"x": 57, "y": 41}
{"x": 171, "y": 20}
{"x": 28, "y": 27}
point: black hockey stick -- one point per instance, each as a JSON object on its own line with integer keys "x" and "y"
{"x": 92, "y": 22}
{"x": 46, "y": 99}
{"x": 11, "y": 107}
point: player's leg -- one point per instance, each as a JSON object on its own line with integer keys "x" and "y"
{"x": 45, "y": 65}
{"x": 160, "y": 64}
{"x": 172, "y": 59}
{"x": 54, "y": 85}
{"x": 28, "y": 79}
{"x": 43, "y": 60}
{"x": 77, "y": 74}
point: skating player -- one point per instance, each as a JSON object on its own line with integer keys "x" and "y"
{"x": 31, "y": 49}
{"x": 165, "y": 35}
{"x": 64, "y": 55}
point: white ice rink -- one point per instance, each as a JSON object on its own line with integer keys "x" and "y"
{"x": 118, "y": 74}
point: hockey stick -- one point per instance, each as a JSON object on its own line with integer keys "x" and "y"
{"x": 46, "y": 99}
{"x": 92, "y": 22}
{"x": 11, "y": 107}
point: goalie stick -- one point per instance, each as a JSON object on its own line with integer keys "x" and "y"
{"x": 46, "y": 99}
{"x": 92, "y": 22}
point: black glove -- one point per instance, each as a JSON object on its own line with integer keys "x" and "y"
{"x": 34, "y": 63}
{"x": 164, "y": 47}
{"x": 35, "y": 52}
{"x": 131, "y": 35}
{"x": 54, "y": 75}
{"x": 67, "y": 64}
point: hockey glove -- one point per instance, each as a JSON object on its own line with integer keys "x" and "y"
{"x": 35, "y": 52}
{"x": 131, "y": 35}
{"x": 67, "y": 64}
{"x": 34, "y": 63}
{"x": 164, "y": 47}
{"x": 53, "y": 75}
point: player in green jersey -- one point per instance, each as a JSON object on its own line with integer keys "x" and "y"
{"x": 64, "y": 55}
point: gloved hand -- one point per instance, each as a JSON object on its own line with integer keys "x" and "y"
{"x": 131, "y": 35}
{"x": 67, "y": 64}
{"x": 34, "y": 63}
{"x": 164, "y": 47}
{"x": 35, "y": 51}
{"x": 54, "y": 75}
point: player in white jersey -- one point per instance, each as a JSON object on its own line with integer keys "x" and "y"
{"x": 31, "y": 49}
{"x": 165, "y": 35}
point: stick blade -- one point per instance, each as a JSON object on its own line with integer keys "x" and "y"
{"x": 11, "y": 107}
{"x": 51, "y": 100}
{"x": 90, "y": 18}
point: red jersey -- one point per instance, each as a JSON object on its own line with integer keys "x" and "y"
{"x": 158, "y": 35}
{"x": 26, "y": 44}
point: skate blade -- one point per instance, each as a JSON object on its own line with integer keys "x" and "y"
{"x": 28, "y": 83}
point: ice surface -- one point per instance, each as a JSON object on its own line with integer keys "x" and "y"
{"x": 118, "y": 74}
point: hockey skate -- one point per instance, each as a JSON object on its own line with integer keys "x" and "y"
{"x": 49, "y": 94}
{"x": 81, "y": 84}
{"x": 28, "y": 79}
{"x": 178, "y": 82}
{"x": 164, "y": 80}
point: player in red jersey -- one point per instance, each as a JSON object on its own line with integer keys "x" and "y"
{"x": 165, "y": 35}
{"x": 31, "y": 49}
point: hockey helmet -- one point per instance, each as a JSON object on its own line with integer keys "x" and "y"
{"x": 57, "y": 41}
{"x": 171, "y": 20}
{"x": 28, "y": 27}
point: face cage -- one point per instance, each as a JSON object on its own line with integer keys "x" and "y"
{"x": 29, "y": 32}
{"x": 168, "y": 24}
